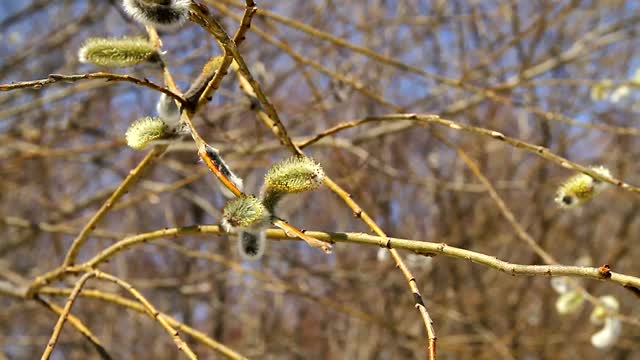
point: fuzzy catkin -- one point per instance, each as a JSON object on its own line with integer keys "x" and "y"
{"x": 244, "y": 212}
{"x": 251, "y": 244}
{"x": 581, "y": 188}
{"x": 117, "y": 52}
{"x": 608, "y": 335}
{"x": 162, "y": 14}
{"x": 292, "y": 175}
{"x": 168, "y": 110}
{"x": 569, "y": 302}
{"x": 145, "y": 130}
{"x": 608, "y": 304}
{"x": 213, "y": 159}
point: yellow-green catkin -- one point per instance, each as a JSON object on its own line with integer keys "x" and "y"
{"x": 244, "y": 212}
{"x": 601, "y": 90}
{"x": 146, "y": 130}
{"x": 292, "y": 175}
{"x": 569, "y": 302}
{"x": 581, "y": 188}
{"x": 121, "y": 52}
{"x": 608, "y": 305}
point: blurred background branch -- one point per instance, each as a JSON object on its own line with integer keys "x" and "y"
{"x": 554, "y": 81}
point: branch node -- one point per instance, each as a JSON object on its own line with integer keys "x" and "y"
{"x": 605, "y": 271}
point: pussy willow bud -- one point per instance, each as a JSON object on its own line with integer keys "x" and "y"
{"x": 581, "y": 188}
{"x": 608, "y": 335}
{"x": 161, "y": 14}
{"x": 192, "y": 95}
{"x": 608, "y": 305}
{"x": 117, "y": 52}
{"x": 605, "y": 313}
{"x": 245, "y": 212}
{"x": 569, "y": 302}
{"x": 145, "y": 130}
{"x": 228, "y": 180}
{"x": 293, "y": 175}
{"x": 601, "y": 90}
{"x": 560, "y": 285}
{"x": 168, "y": 110}
{"x": 251, "y": 244}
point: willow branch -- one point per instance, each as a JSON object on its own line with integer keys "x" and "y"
{"x": 65, "y": 314}
{"x": 496, "y": 135}
{"x": 416, "y": 246}
{"x": 136, "y": 306}
{"x": 271, "y": 118}
{"x": 56, "y": 78}
{"x": 520, "y": 231}
{"x": 122, "y": 189}
{"x": 78, "y": 325}
{"x": 182, "y": 346}
{"x": 211, "y": 25}
{"x": 493, "y": 93}
{"x": 354, "y": 84}
{"x": 238, "y": 38}
{"x": 293, "y": 231}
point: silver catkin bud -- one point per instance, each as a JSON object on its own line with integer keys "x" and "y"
{"x": 168, "y": 110}
{"x": 251, "y": 244}
{"x": 161, "y": 14}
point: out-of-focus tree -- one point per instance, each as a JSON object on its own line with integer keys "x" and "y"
{"x": 493, "y": 136}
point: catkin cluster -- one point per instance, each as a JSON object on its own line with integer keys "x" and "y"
{"x": 250, "y": 215}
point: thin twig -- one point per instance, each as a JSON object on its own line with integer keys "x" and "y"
{"x": 122, "y": 189}
{"x": 182, "y": 346}
{"x": 496, "y": 135}
{"x": 55, "y": 78}
{"x": 78, "y": 325}
{"x": 416, "y": 246}
{"x": 211, "y": 25}
{"x": 295, "y": 232}
{"x": 354, "y": 84}
{"x": 480, "y": 93}
{"x": 65, "y": 314}
{"x": 508, "y": 214}
{"x": 238, "y": 38}
{"x": 136, "y": 306}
